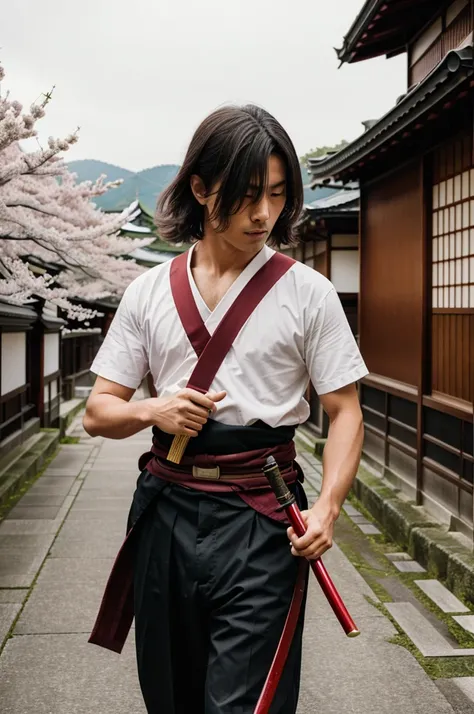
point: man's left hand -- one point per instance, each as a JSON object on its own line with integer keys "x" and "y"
{"x": 317, "y": 540}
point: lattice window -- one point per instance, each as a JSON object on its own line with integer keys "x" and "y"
{"x": 453, "y": 242}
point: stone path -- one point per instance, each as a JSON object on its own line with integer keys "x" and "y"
{"x": 56, "y": 549}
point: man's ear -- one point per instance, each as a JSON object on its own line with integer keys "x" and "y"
{"x": 199, "y": 190}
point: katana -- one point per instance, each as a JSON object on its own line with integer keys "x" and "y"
{"x": 288, "y": 503}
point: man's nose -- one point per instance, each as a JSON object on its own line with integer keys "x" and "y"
{"x": 261, "y": 210}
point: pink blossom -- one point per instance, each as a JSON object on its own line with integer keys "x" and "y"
{"x": 56, "y": 223}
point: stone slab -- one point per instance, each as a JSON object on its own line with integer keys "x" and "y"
{"x": 91, "y": 501}
{"x": 396, "y": 557}
{"x": 13, "y": 595}
{"x": 466, "y": 685}
{"x": 64, "y": 482}
{"x": 107, "y": 547}
{"x": 93, "y": 541}
{"x": 102, "y": 505}
{"x": 72, "y": 457}
{"x": 466, "y": 621}
{"x": 110, "y": 481}
{"x": 369, "y": 529}
{"x": 15, "y": 563}
{"x": 74, "y": 530}
{"x": 107, "y": 489}
{"x": 360, "y": 520}
{"x": 76, "y": 487}
{"x": 42, "y": 499}
{"x": 20, "y": 543}
{"x": 422, "y": 633}
{"x": 21, "y": 557}
{"x": 8, "y": 612}
{"x": 460, "y": 703}
{"x": 61, "y": 472}
{"x": 125, "y": 476}
{"x": 66, "y": 596}
{"x": 409, "y": 566}
{"x": 441, "y": 596}
{"x": 350, "y": 510}
{"x": 104, "y": 467}
{"x": 109, "y": 518}
{"x": 365, "y": 675}
{"x": 33, "y": 512}
{"x": 63, "y": 674}
{"x": 39, "y": 526}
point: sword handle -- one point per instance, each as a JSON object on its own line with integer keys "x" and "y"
{"x": 177, "y": 448}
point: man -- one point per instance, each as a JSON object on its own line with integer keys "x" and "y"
{"x": 213, "y": 571}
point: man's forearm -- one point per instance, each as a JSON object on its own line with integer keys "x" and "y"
{"x": 114, "y": 418}
{"x": 341, "y": 458}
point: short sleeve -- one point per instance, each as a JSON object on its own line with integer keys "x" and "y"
{"x": 122, "y": 357}
{"x": 332, "y": 356}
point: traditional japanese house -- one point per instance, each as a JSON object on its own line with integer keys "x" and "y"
{"x": 415, "y": 168}
{"x": 18, "y": 408}
{"x": 329, "y": 243}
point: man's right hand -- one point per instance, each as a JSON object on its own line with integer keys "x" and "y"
{"x": 185, "y": 412}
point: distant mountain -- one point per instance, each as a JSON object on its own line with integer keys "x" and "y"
{"x": 145, "y": 185}
{"x": 148, "y": 183}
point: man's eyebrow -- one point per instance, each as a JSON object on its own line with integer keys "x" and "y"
{"x": 279, "y": 184}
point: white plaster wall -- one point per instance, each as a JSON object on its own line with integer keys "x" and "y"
{"x": 51, "y": 353}
{"x": 54, "y": 390}
{"x": 13, "y": 361}
{"x": 345, "y": 270}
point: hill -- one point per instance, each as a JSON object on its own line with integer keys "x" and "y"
{"x": 146, "y": 184}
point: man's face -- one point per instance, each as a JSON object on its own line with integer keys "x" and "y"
{"x": 250, "y": 228}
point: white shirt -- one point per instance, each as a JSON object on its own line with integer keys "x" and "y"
{"x": 298, "y": 332}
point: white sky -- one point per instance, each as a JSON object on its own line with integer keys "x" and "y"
{"x": 138, "y": 77}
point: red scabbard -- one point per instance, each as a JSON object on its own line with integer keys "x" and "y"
{"x": 288, "y": 503}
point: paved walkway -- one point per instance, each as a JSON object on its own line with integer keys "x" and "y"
{"x": 68, "y": 528}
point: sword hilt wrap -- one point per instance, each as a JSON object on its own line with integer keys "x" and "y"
{"x": 283, "y": 494}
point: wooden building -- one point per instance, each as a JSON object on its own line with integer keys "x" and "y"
{"x": 415, "y": 168}
{"x": 329, "y": 243}
{"x": 18, "y": 412}
{"x": 30, "y": 392}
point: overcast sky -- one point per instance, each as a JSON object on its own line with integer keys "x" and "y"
{"x": 138, "y": 77}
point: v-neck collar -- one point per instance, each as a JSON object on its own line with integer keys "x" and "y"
{"x": 211, "y": 318}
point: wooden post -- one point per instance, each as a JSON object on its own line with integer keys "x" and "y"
{"x": 37, "y": 372}
{"x": 424, "y": 367}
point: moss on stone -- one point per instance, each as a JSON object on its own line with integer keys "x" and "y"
{"x": 436, "y": 667}
{"x": 460, "y": 575}
{"x": 70, "y": 440}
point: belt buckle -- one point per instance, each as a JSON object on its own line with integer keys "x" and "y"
{"x": 211, "y": 474}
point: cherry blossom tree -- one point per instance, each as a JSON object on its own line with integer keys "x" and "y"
{"x": 47, "y": 219}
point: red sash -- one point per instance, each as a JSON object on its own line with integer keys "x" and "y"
{"x": 117, "y": 611}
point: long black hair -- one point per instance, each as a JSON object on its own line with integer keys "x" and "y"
{"x": 231, "y": 146}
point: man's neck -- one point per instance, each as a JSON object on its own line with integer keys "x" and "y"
{"x": 217, "y": 257}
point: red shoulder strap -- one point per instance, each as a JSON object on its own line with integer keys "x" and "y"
{"x": 216, "y": 348}
{"x": 185, "y": 304}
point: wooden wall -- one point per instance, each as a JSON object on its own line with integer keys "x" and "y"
{"x": 452, "y": 273}
{"x": 446, "y": 34}
{"x": 391, "y": 274}
{"x": 417, "y": 327}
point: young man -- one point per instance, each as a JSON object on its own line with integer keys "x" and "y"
{"x": 213, "y": 571}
